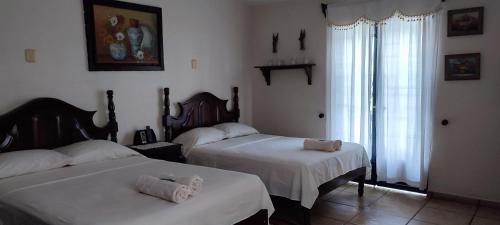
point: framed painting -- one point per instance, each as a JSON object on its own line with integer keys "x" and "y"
{"x": 123, "y": 36}
{"x": 465, "y": 21}
{"x": 463, "y": 67}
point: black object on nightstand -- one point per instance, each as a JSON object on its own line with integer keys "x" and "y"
{"x": 161, "y": 150}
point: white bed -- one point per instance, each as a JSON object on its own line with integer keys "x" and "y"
{"x": 284, "y": 166}
{"x": 103, "y": 193}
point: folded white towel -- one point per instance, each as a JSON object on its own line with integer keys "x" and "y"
{"x": 322, "y": 145}
{"x": 167, "y": 190}
{"x": 193, "y": 182}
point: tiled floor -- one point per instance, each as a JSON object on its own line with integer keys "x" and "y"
{"x": 381, "y": 206}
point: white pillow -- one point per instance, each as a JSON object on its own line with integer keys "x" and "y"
{"x": 30, "y": 161}
{"x": 95, "y": 150}
{"x": 199, "y": 136}
{"x": 236, "y": 129}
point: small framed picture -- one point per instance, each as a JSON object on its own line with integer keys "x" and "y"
{"x": 144, "y": 137}
{"x": 465, "y": 21}
{"x": 463, "y": 67}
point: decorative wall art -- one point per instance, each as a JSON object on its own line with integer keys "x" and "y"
{"x": 302, "y": 39}
{"x": 465, "y": 21}
{"x": 463, "y": 67}
{"x": 123, "y": 36}
{"x": 275, "y": 42}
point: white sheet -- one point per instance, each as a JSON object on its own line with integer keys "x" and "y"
{"x": 281, "y": 162}
{"x": 103, "y": 193}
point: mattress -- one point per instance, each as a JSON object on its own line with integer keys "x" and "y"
{"x": 283, "y": 165}
{"x": 103, "y": 193}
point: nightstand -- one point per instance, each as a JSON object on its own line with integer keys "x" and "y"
{"x": 161, "y": 150}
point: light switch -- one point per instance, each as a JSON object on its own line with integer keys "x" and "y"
{"x": 194, "y": 64}
{"x": 29, "y": 55}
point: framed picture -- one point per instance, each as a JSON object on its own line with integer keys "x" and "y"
{"x": 465, "y": 21}
{"x": 463, "y": 67}
{"x": 123, "y": 36}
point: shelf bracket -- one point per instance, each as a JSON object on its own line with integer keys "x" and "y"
{"x": 267, "y": 75}
{"x": 308, "y": 70}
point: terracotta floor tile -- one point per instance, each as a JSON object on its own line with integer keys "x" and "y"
{"x": 452, "y": 206}
{"x": 416, "y": 222}
{"x": 335, "y": 211}
{"x": 334, "y": 192}
{"x": 376, "y": 218}
{"x": 406, "y": 197}
{"x": 381, "y": 206}
{"x": 485, "y": 221}
{"x": 488, "y": 212}
{"x": 443, "y": 217}
{"x": 397, "y": 206}
{"x": 368, "y": 189}
{"x": 350, "y": 197}
{"x": 321, "y": 220}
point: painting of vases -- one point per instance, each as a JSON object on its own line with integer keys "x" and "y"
{"x": 123, "y": 36}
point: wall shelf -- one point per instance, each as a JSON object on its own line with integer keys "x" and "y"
{"x": 266, "y": 71}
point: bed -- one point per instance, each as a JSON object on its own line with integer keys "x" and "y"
{"x": 103, "y": 192}
{"x": 292, "y": 175}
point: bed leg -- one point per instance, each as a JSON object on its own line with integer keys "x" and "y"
{"x": 361, "y": 185}
{"x": 306, "y": 215}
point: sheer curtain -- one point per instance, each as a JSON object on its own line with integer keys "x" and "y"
{"x": 406, "y": 80}
{"x": 350, "y": 86}
{"x": 406, "y": 72}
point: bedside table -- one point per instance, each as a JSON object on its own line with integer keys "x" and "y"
{"x": 161, "y": 150}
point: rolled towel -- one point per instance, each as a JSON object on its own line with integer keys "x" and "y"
{"x": 167, "y": 190}
{"x": 322, "y": 145}
{"x": 193, "y": 182}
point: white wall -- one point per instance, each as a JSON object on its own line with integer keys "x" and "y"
{"x": 214, "y": 32}
{"x": 466, "y": 153}
{"x": 289, "y": 106}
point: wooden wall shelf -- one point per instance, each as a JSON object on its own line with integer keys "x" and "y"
{"x": 266, "y": 71}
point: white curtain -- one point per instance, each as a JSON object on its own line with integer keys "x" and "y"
{"x": 406, "y": 80}
{"x": 351, "y": 69}
{"x": 406, "y": 71}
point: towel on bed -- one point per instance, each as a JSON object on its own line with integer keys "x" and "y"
{"x": 322, "y": 145}
{"x": 194, "y": 182}
{"x": 167, "y": 190}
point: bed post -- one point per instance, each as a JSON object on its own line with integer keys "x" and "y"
{"x": 236, "y": 106}
{"x": 166, "y": 116}
{"x": 306, "y": 215}
{"x": 112, "y": 117}
{"x": 361, "y": 184}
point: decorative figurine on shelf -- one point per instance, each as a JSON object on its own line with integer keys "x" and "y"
{"x": 275, "y": 42}
{"x": 302, "y": 38}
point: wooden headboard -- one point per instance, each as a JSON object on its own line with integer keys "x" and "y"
{"x": 47, "y": 123}
{"x": 202, "y": 110}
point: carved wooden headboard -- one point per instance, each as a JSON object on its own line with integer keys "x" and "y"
{"x": 47, "y": 123}
{"x": 202, "y": 110}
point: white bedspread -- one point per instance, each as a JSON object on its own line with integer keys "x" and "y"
{"x": 103, "y": 193}
{"x": 281, "y": 162}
